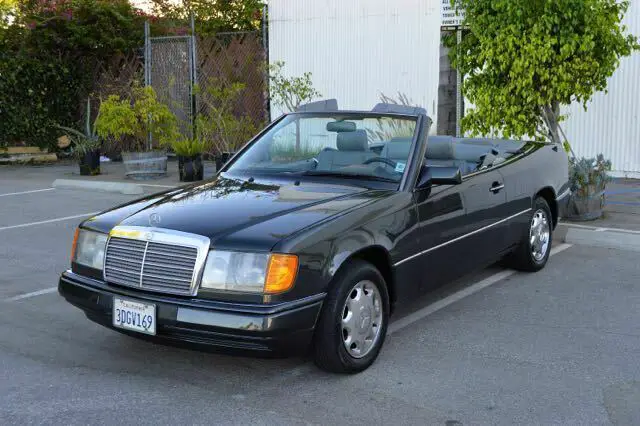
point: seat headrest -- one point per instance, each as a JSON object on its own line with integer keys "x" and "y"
{"x": 397, "y": 148}
{"x": 440, "y": 147}
{"x": 353, "y": 141}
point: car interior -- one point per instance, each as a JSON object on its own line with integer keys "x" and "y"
{"x": 360, "y": 151}
{"x": 470, "y": 155}
{"x": 354, "y": 149}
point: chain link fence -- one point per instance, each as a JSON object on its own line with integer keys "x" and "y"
{"x": 234, "y": 58}
{"x": 170, "y": 73}
{"x": 218, "y": 82}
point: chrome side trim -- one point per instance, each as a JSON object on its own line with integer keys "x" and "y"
{"x": 565, "y": 194}
{"x": 166, "y": 236}
{"x": 462, "y": 237}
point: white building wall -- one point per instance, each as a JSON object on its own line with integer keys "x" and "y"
{"x": 357, "y": 49}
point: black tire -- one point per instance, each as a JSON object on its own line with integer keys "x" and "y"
{"x": 523, "y": 259}
{"x": 329, "y": 349}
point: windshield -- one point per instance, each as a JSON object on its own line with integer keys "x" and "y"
{"x": 349, "y": 145}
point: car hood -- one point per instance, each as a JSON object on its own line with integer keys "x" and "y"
{"x": 238, "y": 214}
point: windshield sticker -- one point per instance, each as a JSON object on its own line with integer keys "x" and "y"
{"x": 400, "y": 167}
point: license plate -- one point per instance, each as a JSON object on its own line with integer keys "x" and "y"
{"x": 134, "y": 316}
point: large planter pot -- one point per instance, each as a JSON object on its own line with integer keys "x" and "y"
{"x": 222, "y": 158}
{"x": 586, "y": 208}
{"x": 190, "y": 168}
{"x": 89, "y": 163}
{"x": 145, "y": 165}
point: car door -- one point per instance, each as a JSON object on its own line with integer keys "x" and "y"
{"x": 520, "y": 187}
{"x": 461, "y": 227}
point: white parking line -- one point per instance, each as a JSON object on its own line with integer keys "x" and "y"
{"x": 32, "y": 294}
{"x": 599, "y": 229}
{"x": 157, "y": 186}
{"x": 27, "y": 192}
{"x": 42, "y": 222}
{"x": 468, "y": 291}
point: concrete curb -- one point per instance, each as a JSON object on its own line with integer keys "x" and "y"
{"x": 100, "y": 186}
{"x": 612, "y": 238}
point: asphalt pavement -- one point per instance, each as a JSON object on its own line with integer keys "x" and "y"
{"x": 498, "y": 347}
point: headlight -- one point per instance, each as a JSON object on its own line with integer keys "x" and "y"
{"x": 249, "y": 272}
{"x": 88, "y": 248}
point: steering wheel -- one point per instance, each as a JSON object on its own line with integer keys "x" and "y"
{"x": 381, "y": 160}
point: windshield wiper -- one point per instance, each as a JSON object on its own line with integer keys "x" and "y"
{"x": 348, "y": 175}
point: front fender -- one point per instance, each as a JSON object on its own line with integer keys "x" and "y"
{"x": 383, "y": 227}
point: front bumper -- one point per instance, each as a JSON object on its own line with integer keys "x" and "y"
{"x": 279, "y": 329}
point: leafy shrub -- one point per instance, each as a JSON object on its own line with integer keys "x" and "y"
{"x": 189, "y": 147}
{"x": 290, "y": 92}
{"x": 34, "y": 96}
{"x": 588, "y": 176}
{"x": 49, "y": 56}
{"x": 137, "y": 117}
{"x": 83, "y": 142}
{"x": 219, "y": 123}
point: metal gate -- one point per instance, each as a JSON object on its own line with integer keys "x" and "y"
{"x": 170, "y": 70}
{"x": 176, "y": 65}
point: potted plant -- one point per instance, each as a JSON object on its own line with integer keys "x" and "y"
{"x": 139, "y": 118}
{"x": 220, "y": 124}
{"x": 86, "y": 145}
{"x": 588, "y": 178}
{"x": 189, "y": 152}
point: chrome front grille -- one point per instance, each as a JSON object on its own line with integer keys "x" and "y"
{"x": 154, "y": 266}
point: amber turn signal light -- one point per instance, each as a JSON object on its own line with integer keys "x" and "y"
{"x": 75, "y": 244}
{"x": 281, "y": 273}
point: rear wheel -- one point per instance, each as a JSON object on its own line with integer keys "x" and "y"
{"x": 535, "y": 247}
{"x": 353, "y": 323}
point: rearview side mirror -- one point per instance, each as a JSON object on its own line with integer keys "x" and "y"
{"x": 438, "y": 176}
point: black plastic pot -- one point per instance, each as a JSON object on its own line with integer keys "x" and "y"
{"x": 190, "y": 168}
{"x": 90, "y": 163}
{"x": 222, "y": 158}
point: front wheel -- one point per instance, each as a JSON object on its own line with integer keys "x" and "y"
{"x": 353, "y": 323}
{"x": 535, "y": 247}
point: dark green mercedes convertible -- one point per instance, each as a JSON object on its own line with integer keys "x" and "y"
{"x": 314, "y": 232}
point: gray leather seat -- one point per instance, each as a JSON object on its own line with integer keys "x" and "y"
{"x": 443, "y": 151}
{"x": 447, "y": 151}
{"x": 353, "y": 149}
{"x": 397, "y": 149}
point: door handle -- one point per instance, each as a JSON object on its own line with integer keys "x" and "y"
{"x": 497, "y": 187}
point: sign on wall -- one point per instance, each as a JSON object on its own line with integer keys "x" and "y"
{"x": 450, "y": 17}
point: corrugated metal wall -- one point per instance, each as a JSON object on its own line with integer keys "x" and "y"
{"x": 359, "y": 48}
{"x": 611, "y": 124}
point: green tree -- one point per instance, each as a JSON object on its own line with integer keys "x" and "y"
{"x": 213, "y": 16}
{"x": 523, "y": 59}
{"x": 51, "y": 54}
{"x": 7, "y": 12}
{"x": 137, "y": 117}
{"x": 290, "y": 92}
